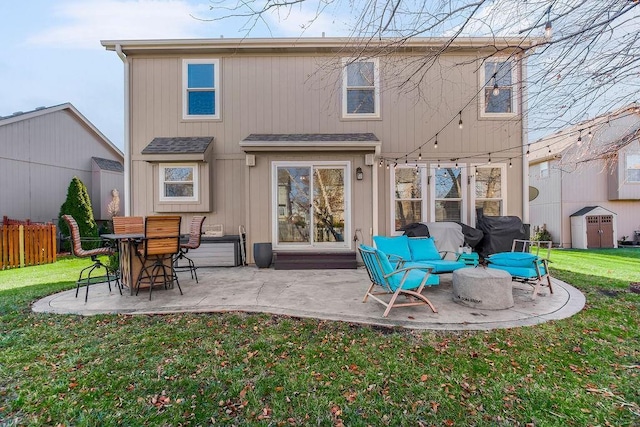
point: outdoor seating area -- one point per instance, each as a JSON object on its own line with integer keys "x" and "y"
{"x": 148, "y": 248}
{"x": 335, "y": 295}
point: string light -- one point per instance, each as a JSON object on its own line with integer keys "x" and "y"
{"x": 420, "y": 153}
{"x": 438, "y": 163}
{"x": 547, "y": 28}
{"x": 387, "y": 165}
{"x": 496, "y": 89}
{"x": 406, "y": 159}
{"x": 510, "y": 164}
{"x": 580, "y": 138}
{"x": 456, "y": 164}
{"x": 395, "y": 164}
{"x": 417, "y": 168}
{"x": 549, "y": 147}
{"x": 528, "y": 145}
{"x": 460, "y": 121}
{"x": 435, "y": 144}
{"x": 489, "y": 158}
{"x": 590, "y": 135}
{"x": 380, "y": 162}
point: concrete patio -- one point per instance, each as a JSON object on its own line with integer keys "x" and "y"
{"x": 320, "y": 294}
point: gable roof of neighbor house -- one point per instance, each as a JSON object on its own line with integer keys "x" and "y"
{"x": 108, "y": 164}
{"x": 614, "y": 129}
{"x": 41, "y": 111}
{"x": 588, "y": 209}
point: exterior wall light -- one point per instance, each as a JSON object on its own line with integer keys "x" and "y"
{"x": 359, "y": 174}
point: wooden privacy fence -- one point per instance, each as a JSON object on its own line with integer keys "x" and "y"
{"x": 26, "y": 245}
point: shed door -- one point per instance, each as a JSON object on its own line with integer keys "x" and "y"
{"x": 599, "y": 231}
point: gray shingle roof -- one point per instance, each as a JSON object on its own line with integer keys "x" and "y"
{"x": 311, "y": 137}
{"x": 178, "y": 145}
{"x": 108, "y": 165}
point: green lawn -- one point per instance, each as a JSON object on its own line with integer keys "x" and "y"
{"x": 245, "y": 369}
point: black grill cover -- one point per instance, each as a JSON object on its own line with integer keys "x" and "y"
{"x": 472, "y": 236}
{"x": 416, "y": 229}
{"x": 499, "y": 232}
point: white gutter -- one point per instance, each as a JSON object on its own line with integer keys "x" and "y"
{"x": 525, "y": 142}
{"x": 127, "y": 142}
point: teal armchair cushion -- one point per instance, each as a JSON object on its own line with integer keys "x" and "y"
{"x": 423, "y": 249}
{"x": 513, "y": 259}
{"x": 397, "y": 245}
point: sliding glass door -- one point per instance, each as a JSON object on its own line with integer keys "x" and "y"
{"x": 311, "y": 204}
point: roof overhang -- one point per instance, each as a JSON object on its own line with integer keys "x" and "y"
{"x": 178, "y": 149}
{"x": 366, "y": 142}
{"x": 318, "y": 44}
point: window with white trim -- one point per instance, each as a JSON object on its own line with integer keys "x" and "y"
{"x": 449, "y": 187}
{"x": 544, "y": 170}
{"x": 200, "y": 89}
{"x": 490, "y": 189}
{"x": 178, "y": 182}
{"x": 633, "y": 167}
{"x": 498, "y": 78}
{"x": 360, "y": 88}
{"x": 409, "y": 196}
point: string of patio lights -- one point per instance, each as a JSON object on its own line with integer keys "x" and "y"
{"x": 495, "y": 92}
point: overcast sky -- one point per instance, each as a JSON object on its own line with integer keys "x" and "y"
{"x": 51, "y": 51}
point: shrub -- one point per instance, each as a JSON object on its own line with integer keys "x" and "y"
{"x": 78, "y": 205}
{"x": 541, "y": 234}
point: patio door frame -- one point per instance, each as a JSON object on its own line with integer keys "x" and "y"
{"x": 311, "y": 245}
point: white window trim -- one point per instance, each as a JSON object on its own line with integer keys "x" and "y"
{"x": 515, "y": 89}
{"x": 627, "y": 169}
{"x": 463, "y": 190}
{"x": 161, "y": 182}
{"x": 392, "y": 196}
{"x": 472, "y": 190}
{"x": 376, "y": 89}
{"x": 346, "y": 244}
{"x": 216, "y": 89}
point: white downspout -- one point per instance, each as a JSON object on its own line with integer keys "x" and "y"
{"x": 127, "y": 142}
{"x": 525, "y": 142}
{"x": 374, "y": 198}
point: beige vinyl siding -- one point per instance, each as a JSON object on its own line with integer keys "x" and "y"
{"x": 301, "y": 93}
{"x": 39, "y": 156}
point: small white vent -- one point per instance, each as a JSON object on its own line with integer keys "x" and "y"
{"x": 250, "y": 159}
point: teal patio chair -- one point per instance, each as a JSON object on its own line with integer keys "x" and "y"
{"x": 525, "y": 266}
{"x": 408, "y": 281}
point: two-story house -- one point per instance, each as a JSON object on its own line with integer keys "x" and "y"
{"x": 587, "y": 178}
{"x": 316, "y": 144}
{"x": 40, "y": 153}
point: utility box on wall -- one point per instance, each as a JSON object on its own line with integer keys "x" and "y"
{"x": 217, "y": 252}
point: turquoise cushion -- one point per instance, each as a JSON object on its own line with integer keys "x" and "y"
{"x": 513, "y": 259}
{"x": 524, "y": 272}
{"x": 398, "y": 246}
{"x": 445, "y": 265}
{"x": 423, "y": 249}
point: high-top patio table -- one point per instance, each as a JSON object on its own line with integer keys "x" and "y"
{"x": 129, "y": 264}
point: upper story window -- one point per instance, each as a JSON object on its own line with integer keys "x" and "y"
{"x": 633, "y": 167}
{"x": 498, "y": 79}
{"x": 361, "y": 88}
{"x": 201, "y": 89}
{"x": 178, "y": 183}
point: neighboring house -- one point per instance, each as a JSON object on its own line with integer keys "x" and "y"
{"x": 590, "y": 170}
{"x": 291, "y": 138}
{"x": 42, "y": 150}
